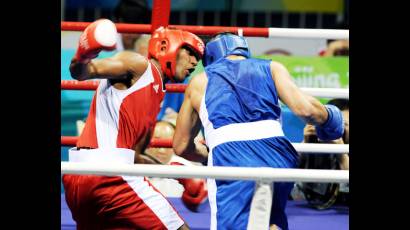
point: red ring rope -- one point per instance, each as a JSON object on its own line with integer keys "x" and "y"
{"x": 155, "y": 142}
{"x": 146, "y": 29}
{"x": 92, "y": 85}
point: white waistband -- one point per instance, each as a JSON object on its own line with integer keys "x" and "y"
{"x": 115, "y": 155}
{"x": 243, "y": 131}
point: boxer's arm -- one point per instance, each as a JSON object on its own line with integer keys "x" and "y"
{"x": 187, "y": 128}
{"x": 139, "y": 148}
{"x": 344, "y": 161}
{"x": 305, "y": 106}
{"x": 120, "y": 66}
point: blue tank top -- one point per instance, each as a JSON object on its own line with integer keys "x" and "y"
{"x": 240, "y": 91}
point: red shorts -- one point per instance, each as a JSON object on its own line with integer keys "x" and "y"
{"x": 120, "y": 202}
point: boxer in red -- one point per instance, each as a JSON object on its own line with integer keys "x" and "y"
{"x": 119, "y": 126}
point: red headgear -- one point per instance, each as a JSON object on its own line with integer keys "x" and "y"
{"x": 165, "y": 43}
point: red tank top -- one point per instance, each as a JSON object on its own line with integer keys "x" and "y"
{"x": 120, "y": 118}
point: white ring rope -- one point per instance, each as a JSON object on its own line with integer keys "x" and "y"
{"x": 315, "y": 92}
{"x": 240, "y": 32}
{"x": 321, "y": 148}
{"x": 226, "y": 173}
{"x": 327, "y": 92}
{"x": 308, "y": 33}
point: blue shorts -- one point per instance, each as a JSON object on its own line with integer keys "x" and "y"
{"x": 232, "y": 199}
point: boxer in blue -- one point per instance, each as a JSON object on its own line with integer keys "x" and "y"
{"x": 237, "y": 100}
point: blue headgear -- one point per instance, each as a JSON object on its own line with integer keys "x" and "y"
{"x": 224, "y": 45}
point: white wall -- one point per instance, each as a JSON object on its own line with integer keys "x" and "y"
{"x": 69, "y": 39}
{"x": 296, "y": 46}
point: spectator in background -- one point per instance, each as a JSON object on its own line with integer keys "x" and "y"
{"x": 138, "y": 12}
{"x": 193, "y": 191}
{"x": 165, "y": 129}
{"x": 343, "y": 105}
{"x": 324, "y": 195}
{"x": 337, "y": 48}
{"x": 141, "y": 44}
{"x": 310, "y": 132}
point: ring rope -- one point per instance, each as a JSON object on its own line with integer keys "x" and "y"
{"x": 180, "y": 88}
{"x": 92, "y": 85}
{"x": 217, "y": 172}
{"x": 211, "y": 30}
{"x": 300, "y": 147}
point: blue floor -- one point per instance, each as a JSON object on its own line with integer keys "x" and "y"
{"x": 300, "y": 216}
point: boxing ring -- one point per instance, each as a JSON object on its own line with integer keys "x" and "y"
{"x": 300, "y": 215}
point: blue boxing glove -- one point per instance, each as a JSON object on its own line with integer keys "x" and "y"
{"x": 333, "y": 128}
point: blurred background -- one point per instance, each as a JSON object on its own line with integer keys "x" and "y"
{"x": 312, "y": 63}
{"x": 328, "y": 14}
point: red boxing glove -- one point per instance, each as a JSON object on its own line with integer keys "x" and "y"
{"x": 195, "y": 192}
{"x": 99, "y": 35}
